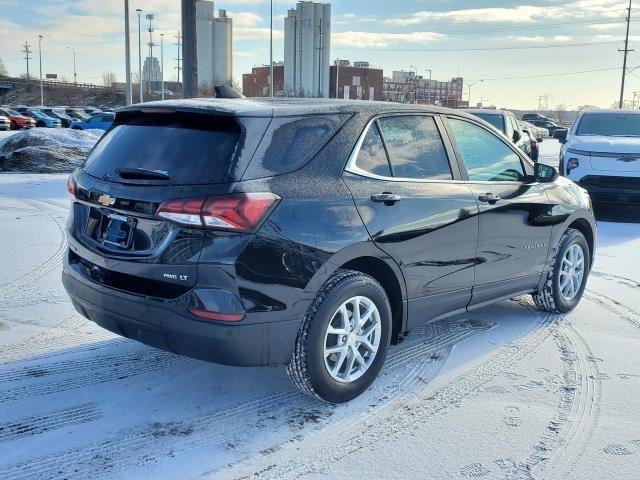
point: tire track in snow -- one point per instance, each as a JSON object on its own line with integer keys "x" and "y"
{"x": 52, "y": 262}
{"x": 621, "y": 310}
{"x": 617, "y": 279}
{"x": 39, "y": 424}
{"x": 161, "y": 440}
{"x": 402, "y": 421}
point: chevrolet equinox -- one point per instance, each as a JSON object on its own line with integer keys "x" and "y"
{"x": 313, "y": 233}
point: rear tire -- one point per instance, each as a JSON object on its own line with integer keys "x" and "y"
{"x": 325, "y": 375}
{"x": 565, "y": 283}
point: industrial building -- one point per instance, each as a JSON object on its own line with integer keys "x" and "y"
{"x": 407, "y": 87}
{"x": 214, "y": 45}
{"x": 307, "y": 44}
{"x": 355, "y": 82}
{"x": 256, "y": 83}
{"x": 151, "y": 71}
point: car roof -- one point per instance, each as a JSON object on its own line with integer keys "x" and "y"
{"x": 282, "y": 107}
{"x": 486, "y": 110}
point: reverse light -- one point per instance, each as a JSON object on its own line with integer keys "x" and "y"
{"x": 239, "y": 212}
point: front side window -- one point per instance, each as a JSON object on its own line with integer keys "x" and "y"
{"x": 415, "y": 147}
{"x": 485, "y": 156}
{"x": 372, "y": 157}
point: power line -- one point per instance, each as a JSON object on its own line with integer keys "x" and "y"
{"x": 480, "y": 49}
{"x": 553, "y": 74}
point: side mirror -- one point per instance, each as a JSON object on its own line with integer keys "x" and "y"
{"x": 561, "y": 135}
{"x": 545, "y": 173}
{"x": 516, "y": 136}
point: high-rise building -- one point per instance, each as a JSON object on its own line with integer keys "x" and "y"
{"x": 214, "y": 45}
{"x": 307, "y": 42}
{"x": 151, "y": 70}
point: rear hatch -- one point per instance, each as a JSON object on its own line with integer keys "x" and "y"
{"x": 149, "y": 159}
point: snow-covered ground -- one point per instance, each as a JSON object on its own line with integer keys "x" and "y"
{"x": 503, "y": 392}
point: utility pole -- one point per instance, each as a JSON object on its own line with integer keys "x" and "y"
{"x": 429, "y": 87}
{"x": 271, "y": 53}
{"x": 626, "y": 51}
{"x": 40, "y": 37}
{"x": 179, "y": 45}
{"x": 139, "y": 11}
{"x": 127, "y": 53}
{"x": 337, "y": 76}
{"x": 27, "y": 52}
{"x": 150, "y": 17}
{"x": 189, "y": 49}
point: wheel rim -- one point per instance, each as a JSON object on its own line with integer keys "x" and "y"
{"x": 572, "y": 272}
{"x": 352, "y": 339}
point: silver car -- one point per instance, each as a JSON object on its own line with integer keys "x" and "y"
{"x": 5, "y": 123}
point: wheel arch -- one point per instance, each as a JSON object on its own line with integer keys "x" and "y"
{"x": 584, "y": 227}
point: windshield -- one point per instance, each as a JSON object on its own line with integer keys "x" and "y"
{"x": 610, "y": 124}
{"x": 496, "y": 120}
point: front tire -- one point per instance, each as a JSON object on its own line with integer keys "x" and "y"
{"x": 567, "y": 276}
{"x": 344, "y": 338}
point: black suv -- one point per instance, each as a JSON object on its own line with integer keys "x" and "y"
{"x": 313, "y": 233}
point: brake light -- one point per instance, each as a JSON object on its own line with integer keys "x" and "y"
{"x": 239, "y": 212}
{"x": 71, "y": 186}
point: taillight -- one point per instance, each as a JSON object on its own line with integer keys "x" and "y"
{"x": 238, "y": 212}
{"x": 71, "y": 186}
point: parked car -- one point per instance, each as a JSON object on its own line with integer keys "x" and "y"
{"x": 312, "y": 233}
{"x": 42, "y": 119}
{"x": 506, "y": 123}
{"x": 59, "y": 114}
{"x": 532, "y": 136}
{"x": 100, "y": 121}
{"x": 551, "y": 127}
{"x": 529, "y": 117}
{"x": 541, "y": 132}
{"x": 17, "y": 120}
{"x": 5, "y": 123}
{"x": 601, "y": 153}
{"x": 77, "y": 114}
{"x": 91, "y": 110}
{"x": 167, "y": 93}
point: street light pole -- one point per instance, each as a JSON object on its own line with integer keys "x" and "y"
{"x": 471, "y": 85}
{"x": 75, "y": 72}
{"x": 271, "y": 53}
{"x": 41, "y": 81}
{"x": 139, "y": 11}
{"x": 162, "y": 64}
{"x": 127, "y": 53}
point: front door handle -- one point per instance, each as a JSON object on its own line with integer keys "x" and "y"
{"x": 489, "y": 198}
{"x": 387, "y": 198}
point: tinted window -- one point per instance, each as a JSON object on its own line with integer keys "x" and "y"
{"x": 415, "y": 147}
{"x": 372, "y": 158}
{"x": 192, "y": 149}
{"x": 609, "y": 124}
{"x": 485, "y": 156}
{"x": 495, "y": 120}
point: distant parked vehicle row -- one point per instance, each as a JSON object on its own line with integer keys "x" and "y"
{"x": 101, "y": 121}
{"x": 540, "y": 121}
{"x": 79, "y": 118}
{"x": 16, "y": 119}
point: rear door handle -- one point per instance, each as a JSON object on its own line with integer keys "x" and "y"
{"x": 386, "y": 198}
{"x": 489, "y": 198}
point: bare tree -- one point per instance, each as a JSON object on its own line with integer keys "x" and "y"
{"x": 3, "y": 69}
{"x": 108, "y": 79}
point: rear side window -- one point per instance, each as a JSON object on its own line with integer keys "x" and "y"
{"x": 192, "y": 149}
{"x": 415, "y": 147}
{"x": 485, "y": 156}
{"x": 372, "y": 158}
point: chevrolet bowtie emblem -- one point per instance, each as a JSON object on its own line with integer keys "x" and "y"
{"x": 627, "y": 159}
{"x": 106, "y": 200}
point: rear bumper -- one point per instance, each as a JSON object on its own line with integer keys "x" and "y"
{"x": 612, "y": 189}
{"x": 162, "y": 324}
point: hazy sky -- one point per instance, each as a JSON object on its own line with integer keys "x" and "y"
{"x": 477, "y": 39}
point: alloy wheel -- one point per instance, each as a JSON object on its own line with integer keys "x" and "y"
{"x": 572, "y": 272}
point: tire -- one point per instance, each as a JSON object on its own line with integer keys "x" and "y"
{"x": 551, "y": 298}
{"x": 40, "y": 124}
{"x": 309, "y": 368}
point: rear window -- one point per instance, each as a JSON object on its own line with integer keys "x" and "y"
{"x": 192, "y": 149}
{"x": 496, "y": 120}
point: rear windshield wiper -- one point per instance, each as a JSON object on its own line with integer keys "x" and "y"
{"x": 142, "y": 173}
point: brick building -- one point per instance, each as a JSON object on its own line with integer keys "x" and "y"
{"x": 355, "y": 82}
{"x": 406, "y": 87}
{"x": 256, "y": 83}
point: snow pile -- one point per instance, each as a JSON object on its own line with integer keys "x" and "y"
{"x": 42, "y": 150}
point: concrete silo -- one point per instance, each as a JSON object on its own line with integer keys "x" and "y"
{"x": 222, "y": 49}
{"x": 214, "y": 47}
{"x": 307, "y": 45}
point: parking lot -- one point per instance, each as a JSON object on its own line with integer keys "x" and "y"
{"x": 512, "y": 392}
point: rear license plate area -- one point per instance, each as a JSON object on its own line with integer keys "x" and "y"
{"x": 116, "y": 230}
